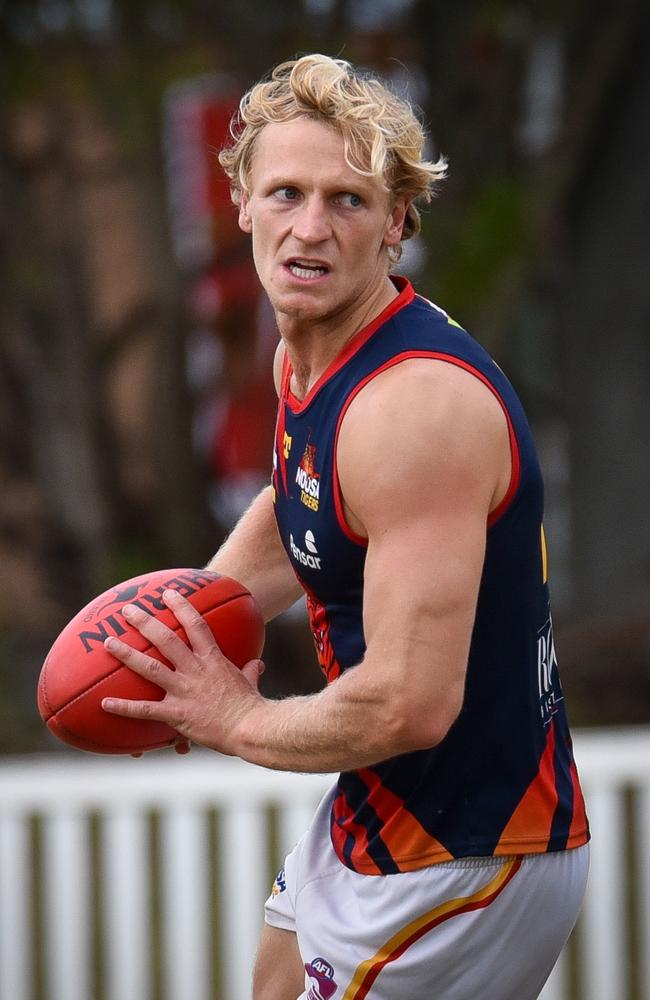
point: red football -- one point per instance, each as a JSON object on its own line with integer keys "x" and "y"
{"x": 78, "y": 672}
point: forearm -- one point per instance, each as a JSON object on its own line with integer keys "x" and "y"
{"x": 350, "y": 724}
{"x": 253, "y": 554}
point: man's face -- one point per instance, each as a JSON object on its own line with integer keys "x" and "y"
{"x": 319, "y": 228}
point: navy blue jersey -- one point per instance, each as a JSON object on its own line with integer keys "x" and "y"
{"x": 503, "y": 780}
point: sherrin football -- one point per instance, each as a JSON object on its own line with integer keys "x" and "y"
{"x": 79, "y": 672}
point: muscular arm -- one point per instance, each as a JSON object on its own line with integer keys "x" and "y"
{"x": 253, "y": 554}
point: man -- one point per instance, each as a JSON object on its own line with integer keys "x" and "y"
{"x": 450, "y": 860}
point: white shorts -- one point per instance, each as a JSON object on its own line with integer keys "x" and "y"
{"x": 488, "y": 928}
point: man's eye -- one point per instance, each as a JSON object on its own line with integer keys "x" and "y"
{"x": 348, "y": 198}
{"x": 287, "y": 193}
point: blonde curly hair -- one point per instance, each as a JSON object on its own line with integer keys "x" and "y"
{"x": 381, "y": 134}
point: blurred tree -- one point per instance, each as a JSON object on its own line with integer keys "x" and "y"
{"x": 606, "y": 348}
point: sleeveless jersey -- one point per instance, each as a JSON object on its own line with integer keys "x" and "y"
{"x": 503, "y": 780}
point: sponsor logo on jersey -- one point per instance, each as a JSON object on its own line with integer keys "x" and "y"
{"x": 280, "y": 884}
{"x": 548, "y": 679}
{"x": 308, "y": 479}
{"x": 309, "y": 558}
{"x": 322, "y": 985}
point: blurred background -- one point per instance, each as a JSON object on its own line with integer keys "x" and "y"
{"x": 136, "y": 404}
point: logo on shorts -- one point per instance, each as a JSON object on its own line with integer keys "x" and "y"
{"x": 321, "y": 975}
{"x": 308, "y": 479}
{"x": 280, "y": 883}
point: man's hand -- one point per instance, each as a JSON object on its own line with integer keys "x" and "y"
{"x": 205, "y": 694}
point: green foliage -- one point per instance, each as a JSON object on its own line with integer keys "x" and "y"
{"x": 473, "y": 241}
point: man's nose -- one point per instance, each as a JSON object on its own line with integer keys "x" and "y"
{"x": 312, "y": 223}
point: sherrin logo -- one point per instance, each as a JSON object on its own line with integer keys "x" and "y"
{"x": 308, "y": 479}
{"x": 309, "y": 558}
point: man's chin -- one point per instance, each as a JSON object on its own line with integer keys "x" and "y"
{"x": 299, "y": 306}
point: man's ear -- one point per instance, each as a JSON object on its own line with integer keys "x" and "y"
{"x": 245, "y": 221}
{"x": 395, "y": 223}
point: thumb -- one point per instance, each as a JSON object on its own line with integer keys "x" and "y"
{"x": 253, "y": 671}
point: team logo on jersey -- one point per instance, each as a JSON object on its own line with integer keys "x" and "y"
{"x": 310, "y": 557}
{"x": 286, "y": 444}
{"x": 280, "y": 884}
{"x": 308, "y": 479}
{"x": 321, "y": 974}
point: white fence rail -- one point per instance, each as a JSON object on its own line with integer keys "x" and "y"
{"x": 144, "y": 880}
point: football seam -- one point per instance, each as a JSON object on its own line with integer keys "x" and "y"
{"x": 44, "y": 689}
{"x": 123, "y": 666}
{"x": 102, "y": 746}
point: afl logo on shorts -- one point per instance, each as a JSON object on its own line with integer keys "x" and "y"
{"x": 321, "y": 974}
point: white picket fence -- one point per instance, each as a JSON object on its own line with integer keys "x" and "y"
{"x": 144, "y": 880}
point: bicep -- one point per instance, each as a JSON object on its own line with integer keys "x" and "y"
{"x": 422, "y": 485}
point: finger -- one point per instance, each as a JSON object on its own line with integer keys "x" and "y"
{"x": 163, "y": 638}
{"x": 154, "y": 711}
{"x": 252, "y": 671}
{"x": 142, "y": 664}
{"x": 196, "y": 628}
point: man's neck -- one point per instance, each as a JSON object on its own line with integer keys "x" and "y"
{"x": 312, "y": 345}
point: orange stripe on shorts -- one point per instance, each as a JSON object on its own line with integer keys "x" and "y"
{"x": 366, "y": 973}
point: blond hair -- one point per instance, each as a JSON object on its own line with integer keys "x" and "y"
{"x": 381, "y": 134}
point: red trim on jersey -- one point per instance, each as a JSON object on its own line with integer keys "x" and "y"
{"x": 529, "y": 827}
{"x": 404, "y": 298}
{"x": 501, "y": 508}
{"x": 279, "y": 446}
{"x": 343, "y": 826}
{"x": 285, "y": 375}
{"x": 405, "y": 838}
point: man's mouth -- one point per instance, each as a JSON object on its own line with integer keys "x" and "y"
{"x": 306, "y": 269}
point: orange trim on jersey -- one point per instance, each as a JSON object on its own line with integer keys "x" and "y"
{"x": 404, "y": 836}
{"x": 404, "y": 298}
{"x": 515, "y": 472}
{"x": 368, "y": 971}
{"x": 361, "y": 859}
{"x": 532, "y": 819}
